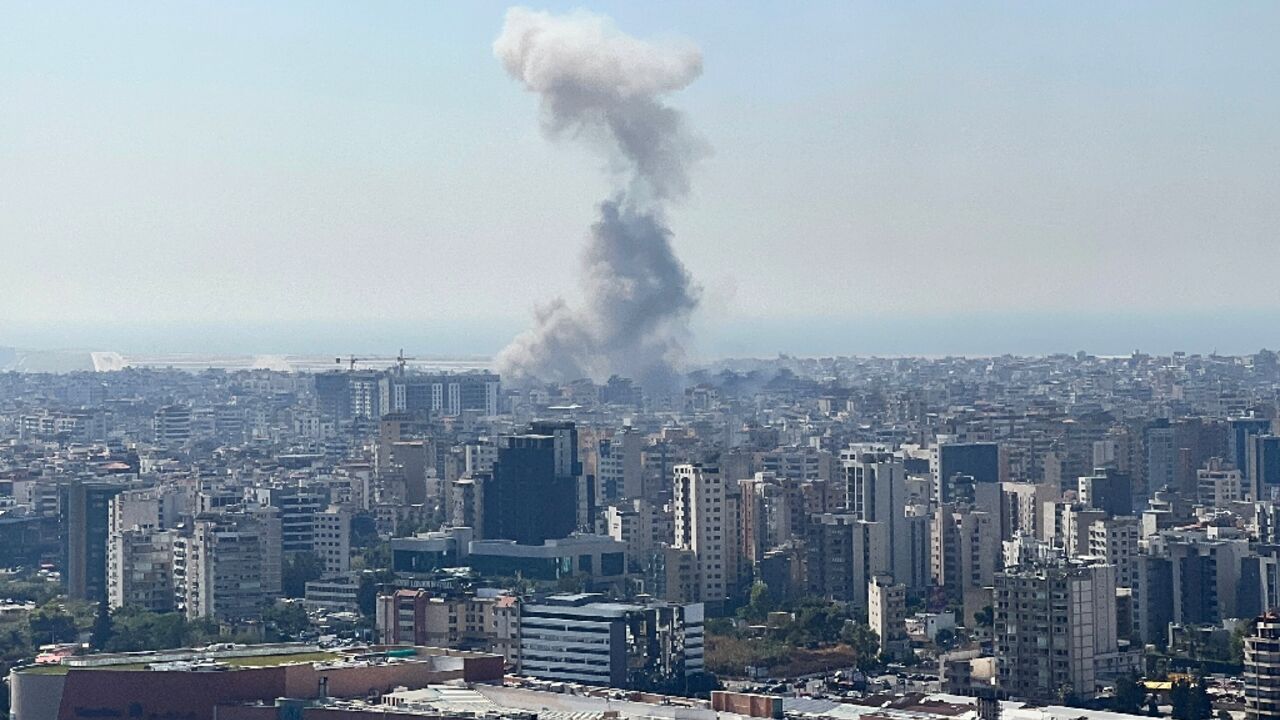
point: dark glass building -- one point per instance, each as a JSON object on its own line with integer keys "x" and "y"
{"x": 1262, "y": 466}
{"x": 532, "y": 496}
{"x": 962, "y": 464}
{"x": 84, "y": 517}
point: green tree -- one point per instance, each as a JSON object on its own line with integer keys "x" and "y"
{"x": 1201, "y": 703}
{"x": 945, "y": 639}
{"x": 51, "y": 623}
{"x": 759, "y": 606}
{"x": 1129, "y": 695}
{"x": 1180, "y": 698}
{"x": 1190, "y": 700}
{"x": 102, "y": 627}
{"x": 986, "y": 617}
{"x": 700, "y": 684}
{"x": 864, "y": 644}
{"x": 297, "y": 571}
{"x": 288, "y": 618}
{"x": 1235, "y": 648}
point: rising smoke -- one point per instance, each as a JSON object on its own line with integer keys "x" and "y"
{"x": 606, "y": 88}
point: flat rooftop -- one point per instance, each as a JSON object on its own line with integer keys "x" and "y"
{"x": 229, "y": 657}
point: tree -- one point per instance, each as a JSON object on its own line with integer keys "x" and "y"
{"x": 1190, "y": 700}
{"x": 986, "y": 617}
{"x": 945, "y": 639}
{"x": 289, "y": 618}
{"x": 1129, "y": 695}
{"x": 102, "y": 627}
{"x": 1235, "y": 647}
{"x": 50, "y": 623}
{"x": 297, "y": 571}
{"x": 759, "y": 606}
{"x": 864, "y": 644}
{"x": 700, "y": 684}
{"x": 367, "y": 595}
{"x": 1201, "y": 703}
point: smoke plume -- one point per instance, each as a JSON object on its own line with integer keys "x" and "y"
{"x": 606, "y": 88}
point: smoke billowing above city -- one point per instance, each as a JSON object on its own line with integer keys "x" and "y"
{"x": 602, "y": 87}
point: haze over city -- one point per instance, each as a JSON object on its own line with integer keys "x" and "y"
{"x": 877, "y": 178}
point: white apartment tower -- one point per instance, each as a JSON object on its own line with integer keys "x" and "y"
{"x": 706, "y": 525}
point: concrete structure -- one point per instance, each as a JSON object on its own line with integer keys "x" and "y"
{"x": 706, "y": 524}
{"x": 140, "y": 569}
{"x": 966, "y": 553}
{"x": 1262, "y": 669}
{"x": 886, "y": 615}
{"x": 1218, "y": 484}
{"x": 962, "y": 466}
{"x": 487, "y": 620}
{"x": 1108, "y": 490}
{"x": 227, "y": 567}
{"x": 171, "y": 425}
{"x": 332, "y": 539}
{"x": 1052, "y": 622}
{"x": 1115, "y": 540}
{"x": 581, "y": 638}
{"x": 631, "y": 523}
{"x": 181, "y": 684}
{"x": 1262, "y": 466}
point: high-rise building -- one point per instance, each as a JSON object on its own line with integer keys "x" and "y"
{"x": 84, "y": 522}
{"x": 1262, "y": 467}
{"x": 706, "y": 524}
{"x": 1107, "y": 489}
{"x": 1161, "y": 457}
{"x": 1052, "y": 622}
{"x": 140, "y": 569}
{"x": 631, "y": 522}
{"x": 568, "y": 468}
{"x": 298, "y": 507}
{"x": 140, "y": 547}
{"x": 1239, "y": 430}
{"x": 227, "y": 566}
{"x": 965, "y": 556}
{"x": 877, "y": 489}
{"x": 333, "y": 539}
{"x": 533, "y": 494}
{"x": 333, "y": 395}
{"x": 1115, "y": 540}
{"x": 886, "y": 615}
{"x": 171, "y": 424}
{"x": 1262, "y": 669}
{"x": 961, "y": 466}
{"x": 1218, "y": 484}
{"x": 619, "y": 471}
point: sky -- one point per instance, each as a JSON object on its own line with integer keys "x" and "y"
{"x": 885, "y": 178}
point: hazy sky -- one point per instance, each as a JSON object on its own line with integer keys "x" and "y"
{"x": 331, "y": 174}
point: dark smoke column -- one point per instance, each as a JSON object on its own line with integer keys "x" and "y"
{"x": 606, "y": 88}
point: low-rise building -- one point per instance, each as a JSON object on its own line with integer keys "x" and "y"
{"x": 581, "y": 638}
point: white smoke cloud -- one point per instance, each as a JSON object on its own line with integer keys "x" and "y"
{"x": 600, "y": 85}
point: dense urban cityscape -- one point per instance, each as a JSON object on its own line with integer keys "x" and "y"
{"x": 727, "y": 389}
{"x": 1072, "y": 532}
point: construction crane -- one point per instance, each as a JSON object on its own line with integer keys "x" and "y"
{"x": 400, "y": 360}
{"x": 351, "y": 360}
